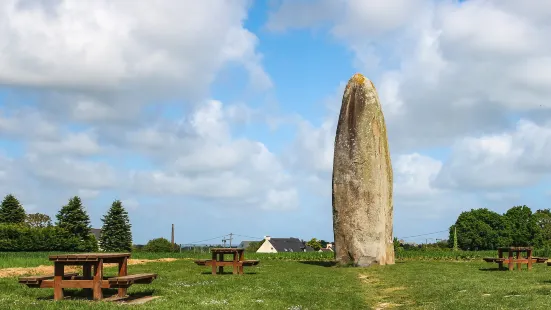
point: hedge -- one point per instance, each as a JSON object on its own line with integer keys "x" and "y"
{"x": 19, "y": 238}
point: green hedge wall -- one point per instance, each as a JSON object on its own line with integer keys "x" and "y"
{"x": 18, "y": 238}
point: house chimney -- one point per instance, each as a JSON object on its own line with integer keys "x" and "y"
{"x": 267, "y": 238}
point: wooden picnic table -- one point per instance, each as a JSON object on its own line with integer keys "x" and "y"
{"x": 92, "y": 281}
{"x": 218, "y": 261}
{"x": 515, "y": 257}
{"x": 519, "y": 260}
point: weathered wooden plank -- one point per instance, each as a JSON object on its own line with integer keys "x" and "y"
{"x": 133, "y": 279}
{"x": 227, "y": 250}
{"x": 87, "y": 256}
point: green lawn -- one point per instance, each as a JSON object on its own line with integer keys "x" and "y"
{"x": 458, "y": 285}
{"x": 282, "y": 284}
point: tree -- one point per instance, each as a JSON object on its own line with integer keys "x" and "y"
{"x": 11, "y": 211}
{"x": 115, "y": 233}
{"x": 38, "y": 220}
{"x": 522, "y": 227}
{"x": 254, "y": 246}
{"x": 314, "y": 243}
{"x": 73, "y": 218}
{"x": 543, "y": 220}
{"x": 158, "y": 245}
{"x": 479, "y": 229}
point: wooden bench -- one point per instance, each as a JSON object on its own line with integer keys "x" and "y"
{"x": 539, "y": 260}
{"x": 208, "y": 262}
{"x": 126, "y": 281}
{"x": 250, "y": 262}
{"x": 203, "y": 262}
{"x": 35, "y": 281}
{"x": 494, "y": 259}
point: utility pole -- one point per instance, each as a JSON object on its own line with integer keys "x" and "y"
{"x": 231, "y": 237}
{"x": 224, "y": 240}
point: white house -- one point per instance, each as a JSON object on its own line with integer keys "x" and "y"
{"x": 277, "y": 245}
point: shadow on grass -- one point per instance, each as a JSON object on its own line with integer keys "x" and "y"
{"x": 319, "y": 263}
{"x": 228, "y": 273}
{"x": 492, "y": 269}
{"x": 80, "y": 294}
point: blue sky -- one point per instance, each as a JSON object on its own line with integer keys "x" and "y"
{"x": 229, "y": 126}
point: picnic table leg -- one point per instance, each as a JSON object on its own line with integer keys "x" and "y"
{"x": 98, "y": 277}
{"x": 213, "y": 261}
{"x": 519, "y": 265}
{"x": 87, "y": 275}
{"x": 123, "y": 271}
{"x": 59, "y": 271}
{"x": 221, "y": 268}
{"x": 510, "y": 260}
{"x": 500, "y": 255}
{"x": 529, "y": 259}
{"x": 241, "y": 259}
{"x": 235, "y": 267}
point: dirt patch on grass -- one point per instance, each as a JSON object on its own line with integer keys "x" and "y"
{"x": 44, "y": 270}
{"x": 367, "y": 279}
{"x": 386, "y": 305}
{"x": 393, "y": 289}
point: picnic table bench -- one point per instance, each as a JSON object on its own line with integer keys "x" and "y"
{"x": 92, "y": 282}
{"x": 217, "y": 261}
{"x": 511, "y": 259}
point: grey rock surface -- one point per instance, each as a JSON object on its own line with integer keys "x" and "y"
{"x": 362, "y": 179}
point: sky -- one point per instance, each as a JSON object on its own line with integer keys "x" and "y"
{"x": 219, "y": 116}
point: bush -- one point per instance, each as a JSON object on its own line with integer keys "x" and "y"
{"x": 17, "y": 238}
{"x": 158, "y": 245}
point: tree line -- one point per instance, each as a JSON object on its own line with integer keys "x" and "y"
{"x": 483, "y": 229}
{"x": 72, "y": 231}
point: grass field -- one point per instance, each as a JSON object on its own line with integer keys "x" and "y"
{"x": 287, "y": 283}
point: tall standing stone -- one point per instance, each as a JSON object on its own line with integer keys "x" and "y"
{"x": 362, "y": 179}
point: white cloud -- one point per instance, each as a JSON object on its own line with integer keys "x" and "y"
{"x": 414, "y": 174}
{"x": 68, "y": 171}
{"x": 201, "y": 159}
{"x": 513, "y": 159}
{"x": 80, "y": 143}
{"x": 106, "y": 46}
{"x": 443, "y": 69}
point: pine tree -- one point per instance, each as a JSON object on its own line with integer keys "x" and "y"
{"x": 455, "y": 248}
{"x": 73, "y": 218}
{"x": 115, "y": 233}
{"x": 11, "y": 211}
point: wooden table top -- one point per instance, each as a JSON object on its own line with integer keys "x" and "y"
{"x": 88, "y": 256}
{"x": 226, "y": 250}
{"x": 515, "y": 249}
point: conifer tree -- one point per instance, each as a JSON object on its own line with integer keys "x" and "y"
{"x": 73, "y": 218}
{"x": 455, "y": 247}
{"x": 115, "y": 233}
{"x": 11, "y": 211}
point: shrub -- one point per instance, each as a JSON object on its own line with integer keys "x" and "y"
{"x": 16, "y": 238}
{"x": 158, "y": 245}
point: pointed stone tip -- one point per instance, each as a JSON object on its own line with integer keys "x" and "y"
{"x": 358, "y": 78}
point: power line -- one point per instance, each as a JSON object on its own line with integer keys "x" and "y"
{"x": 206, "y": 240}
{"x": 248, "y": 237}
{"x": 424, "y": 234}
